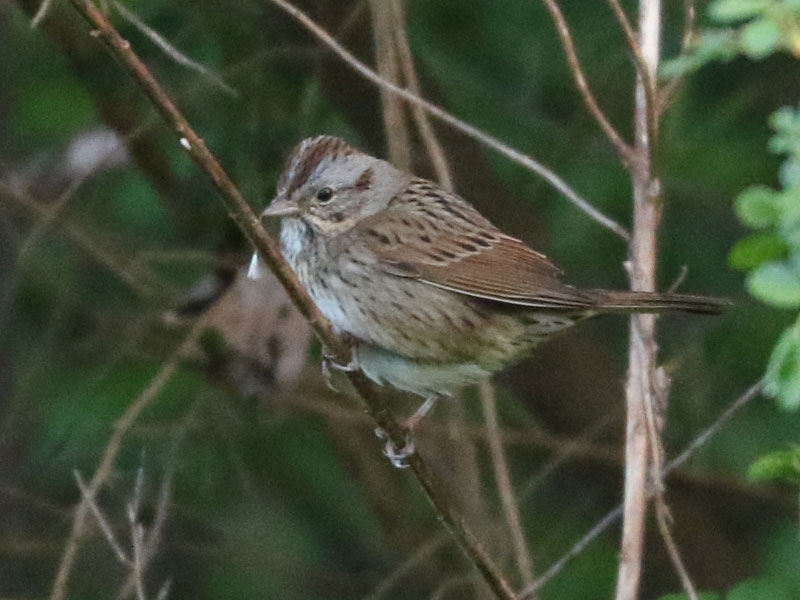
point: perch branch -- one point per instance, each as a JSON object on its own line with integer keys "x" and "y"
{"x": 251, "y": 227}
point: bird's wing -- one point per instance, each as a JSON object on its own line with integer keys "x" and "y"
{"x": 435, "y": 237}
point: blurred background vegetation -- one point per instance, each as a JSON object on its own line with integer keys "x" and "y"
{"x": 112, "y": 243}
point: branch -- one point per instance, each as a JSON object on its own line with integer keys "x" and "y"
{"x": 643, "y": 387}
{"x": 623, "y": 148}
{"x": 432, "y": 145}
{"x": 394, "y": 117}
{"x": 121, "y": 427}
{"x": 612, "y": 516}
{"x": 251, "y": 227}
{"x": 509, "y": 503}
{"x": 456, "y": 123}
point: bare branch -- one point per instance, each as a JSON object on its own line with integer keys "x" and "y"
{"x": 269, "y": 251}
{"x": 469, "y": 130}
{"x": 622, "y": 147}
{"x": 142, "y": 282}
{"x": 394, "y": 117}
{"x": 642, "y": 389}
{"x": 505, "y": 489}
{"x": 630, "y": 36}
{"x": 121, "y": 427}
{"x": 432, "y": 145}
{"x": 422, "y": 553}
{"x": 611, "y": 517}
{"x": 171, "y": 51}
{"x": 689, "y": 17}
{"x": 41, "y": 13}
{"x": 105, "y": 527}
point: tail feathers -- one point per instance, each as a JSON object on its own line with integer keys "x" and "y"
{"x": 653, "y": 302}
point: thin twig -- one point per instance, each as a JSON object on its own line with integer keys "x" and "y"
{"x": 54, "y": 210}
{"x": 422, "y": 553}
{"x": 668, "y": 91}
{"x": 142, "y": 282}
{"x": 121, "y": 427}
{"x": 505, "y": 489}
{"x": 269, "y": 251}
{"x": 623, "y": 148}
{"x": 630, "y": 36}
{"x": 41, "y": 13}
{"x": 153, "y": 537}
{"x": 611, "y": 517}
{"x": 432, "y": 145}
{"x": 469, "y": 130}
{"x": 105, "y": 527}
{"x": 171, "y": 51}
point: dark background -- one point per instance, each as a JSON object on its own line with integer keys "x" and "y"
{"x": 280, "y": 490}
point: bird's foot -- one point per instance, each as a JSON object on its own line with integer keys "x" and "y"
{"x": 329, "y": 362}
{"x": 397, "y": 456}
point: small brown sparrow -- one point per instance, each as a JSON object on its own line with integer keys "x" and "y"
{"x": 434, "y": 296}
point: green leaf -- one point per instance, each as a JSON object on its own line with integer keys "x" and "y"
{"x": 756, "y": 249}
{"x": 782, "y": 464}
{"x": 760, "y": 589}
{"x": 782, "y": 379}
{"x": 727, "y": 11}
{"x": 758, "y": 206}
{"x": 775, "y": 283}
{"x": 760, "y": 38}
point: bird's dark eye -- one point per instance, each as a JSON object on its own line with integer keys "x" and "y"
{"x": 325, "y": 194}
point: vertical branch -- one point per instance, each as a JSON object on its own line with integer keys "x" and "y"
{"x": 641, "y": 386}
{"x": 504, "y": 487}
{"x": 394, "y": 117}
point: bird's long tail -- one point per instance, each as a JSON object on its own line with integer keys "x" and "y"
{"x": 654, "y": 302}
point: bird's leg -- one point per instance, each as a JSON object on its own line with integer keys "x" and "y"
{"x": 411, "y": 422}
{"x": 329, "y": 362}
{"x": 397, "y": 456}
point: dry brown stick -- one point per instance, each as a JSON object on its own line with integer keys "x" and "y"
{"x": 623, "y": 148}
{"x": 689, "y": 17}
{"x": 121, "y": 427}
{"x": 251, "y": 227}
{"x": 509, "y": 503}
{"x": 394, "y": 117}
{"x": 641, "y": 389}
{"x": 611, "y": 517}
{"x": 141, "y": 281}
{"x": 630, "y": 36}
{"x": 456, "y": 123}
{"x": 432, "y": 145}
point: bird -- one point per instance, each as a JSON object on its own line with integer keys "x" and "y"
{"x": 432, "y": 296}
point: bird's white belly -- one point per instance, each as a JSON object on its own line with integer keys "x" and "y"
{"x": 417, "y": 377}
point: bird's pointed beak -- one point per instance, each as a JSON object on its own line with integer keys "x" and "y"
{"x": 280, "y": 207}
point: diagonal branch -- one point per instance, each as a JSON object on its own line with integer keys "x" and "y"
{"x": 251, "y": 227}
{"x": 623, "y": 148}
{"x": 456, "y": 123}
{"x": 121, "y": 427}
{"x": 612, "y": 516}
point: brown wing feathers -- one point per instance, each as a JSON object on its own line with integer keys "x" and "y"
{"x": 439, "y": 239}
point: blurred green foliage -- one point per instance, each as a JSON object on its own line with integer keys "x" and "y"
{"x": 279, "y": 498}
